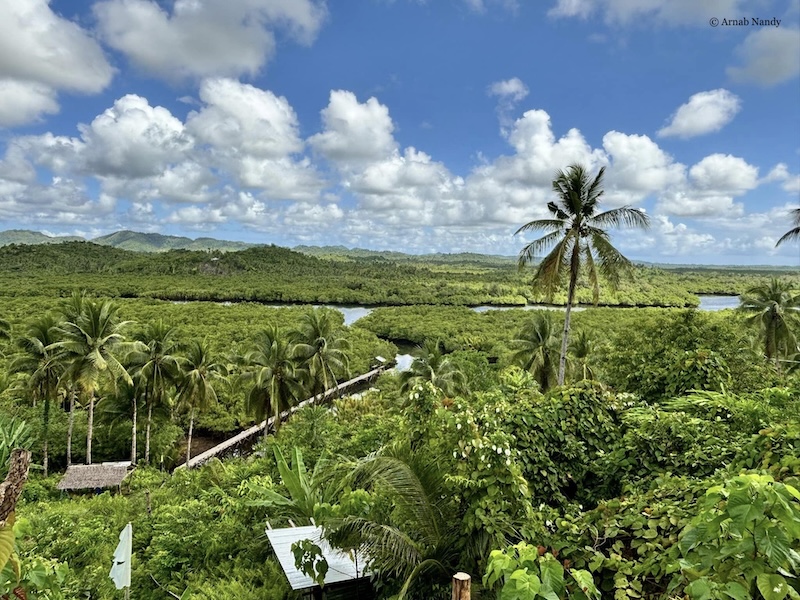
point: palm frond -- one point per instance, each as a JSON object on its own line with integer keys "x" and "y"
{"x": 536, "y": 248}
{"x": 542, "y": 224}
{"x": 612, "y": 263}
{"x": 624, "y": 216}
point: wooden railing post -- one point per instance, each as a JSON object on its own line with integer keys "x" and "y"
{"x": 461, "y": 586}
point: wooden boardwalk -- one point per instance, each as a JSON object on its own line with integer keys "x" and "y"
{"x": 247, "y": 434}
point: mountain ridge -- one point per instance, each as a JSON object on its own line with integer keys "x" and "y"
{"x": 137, "y": 241}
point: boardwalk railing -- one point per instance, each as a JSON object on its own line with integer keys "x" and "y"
{"x": 247, "y": 434}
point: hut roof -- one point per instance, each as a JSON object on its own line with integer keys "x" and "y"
{"x": 341, "y": 566}
{"x": 104, "y": 475}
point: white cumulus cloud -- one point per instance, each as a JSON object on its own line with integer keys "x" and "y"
{"x": 41, "y": 54}
{"x": 24, "y": 102}
{"x": 769, "y": 55}
{"x": 354, "y": 132}
{"x": 705, "y": 112}
{"x": 201, "y": 39}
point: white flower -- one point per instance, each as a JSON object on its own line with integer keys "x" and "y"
{"x": 455, "y": 454}
{"x": 508, "y": 461}
{"x": 494, "y": 448}
{"x": 458, "y": 426}
{"x": 508, "y": 451}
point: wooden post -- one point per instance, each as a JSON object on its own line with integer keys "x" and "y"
{"x": 461, "y": 586}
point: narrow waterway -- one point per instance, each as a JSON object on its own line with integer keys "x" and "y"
{"x": 709, "y": 303}
{"x": 354, "y": 313}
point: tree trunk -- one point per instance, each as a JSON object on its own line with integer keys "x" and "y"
{"x": 461, "y": 587}
{"x": 45, "y": 432}
{"x": 11, "y": 488}
{"x": 90, "y": 429}
{"x": 147, "y": 433}
{"x": 189, "y": 441}
{"x": 573, "y": 280}
{"x": 133, "y": 429}
{"x": 70, "y": 427}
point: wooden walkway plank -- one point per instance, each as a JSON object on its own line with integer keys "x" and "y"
{"x": 237, "y": 439}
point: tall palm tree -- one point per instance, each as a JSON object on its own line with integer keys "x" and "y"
{"x": 274, "y": 374}
{"x": 434, "y": 365}
{"x": 576, "y": 232}
{"x": 70, "y": 310}
{"x": 776, "y": 306}
{"x": 536, "y": 349}
{"x": 155, "y": 363}
{"x": 89, "y": 346}
{"x": 39, "y": 361}
{"x": 794, "y": 233}
{"x": 325, "y": 349}
{"x": 198, "y": 369}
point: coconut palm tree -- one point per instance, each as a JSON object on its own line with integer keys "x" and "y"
{"x": 70, "y": 311}
{"x": 323, "y": 347}
{"x": 39, "y": 361}
{"x": 274, "y": 375}
{"x": 776, "y": 306}
{"x": 577, "y": 234}
{"x": 90, "y": 345}
{"x": 536, "y": 349}
{"x": 198, "y": 369}
{"x": 155, "y": 363}
{"x": 794, "y": 233}
{"x": 434, "y": 365}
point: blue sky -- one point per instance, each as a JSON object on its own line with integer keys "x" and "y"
{"x": 402, "y": 124}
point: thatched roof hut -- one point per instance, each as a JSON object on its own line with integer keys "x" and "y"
{"x": 93, "y": 477}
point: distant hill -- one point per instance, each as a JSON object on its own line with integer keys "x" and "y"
{"x": 127, "y": 240}
{"x": 23, "y": 236}
{"x": 156, "y": 242}
{"x": 461, "y": 258}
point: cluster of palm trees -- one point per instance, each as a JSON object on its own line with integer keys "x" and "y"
{"x": 80, "y": 355}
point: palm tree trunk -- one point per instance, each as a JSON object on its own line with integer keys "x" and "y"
{"x": 133, "y": 429}
{"x": 71, "y": 424}
{"x": 90, "y": 430}
{"x": 45, "y": 432}
{"x": 573, "y": 281}
{"x": 189, "y": 441}
{"x": 147, "y": 432}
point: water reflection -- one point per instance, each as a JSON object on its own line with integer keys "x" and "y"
{"x": 403, "y": 362}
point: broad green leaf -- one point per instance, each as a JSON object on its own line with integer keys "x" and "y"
{"x": 773, "y": 543}
{"x": 6, "y": 541}
{"x": 552, "y": 572}
{"x": 772, "y": 587}
{"x": 737, "y": 591}
{"x": 585, "y": 581}
{"x": 744, "y": 509}
{"x": 699, "y": 589}
{"x": 521, "y": 586}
